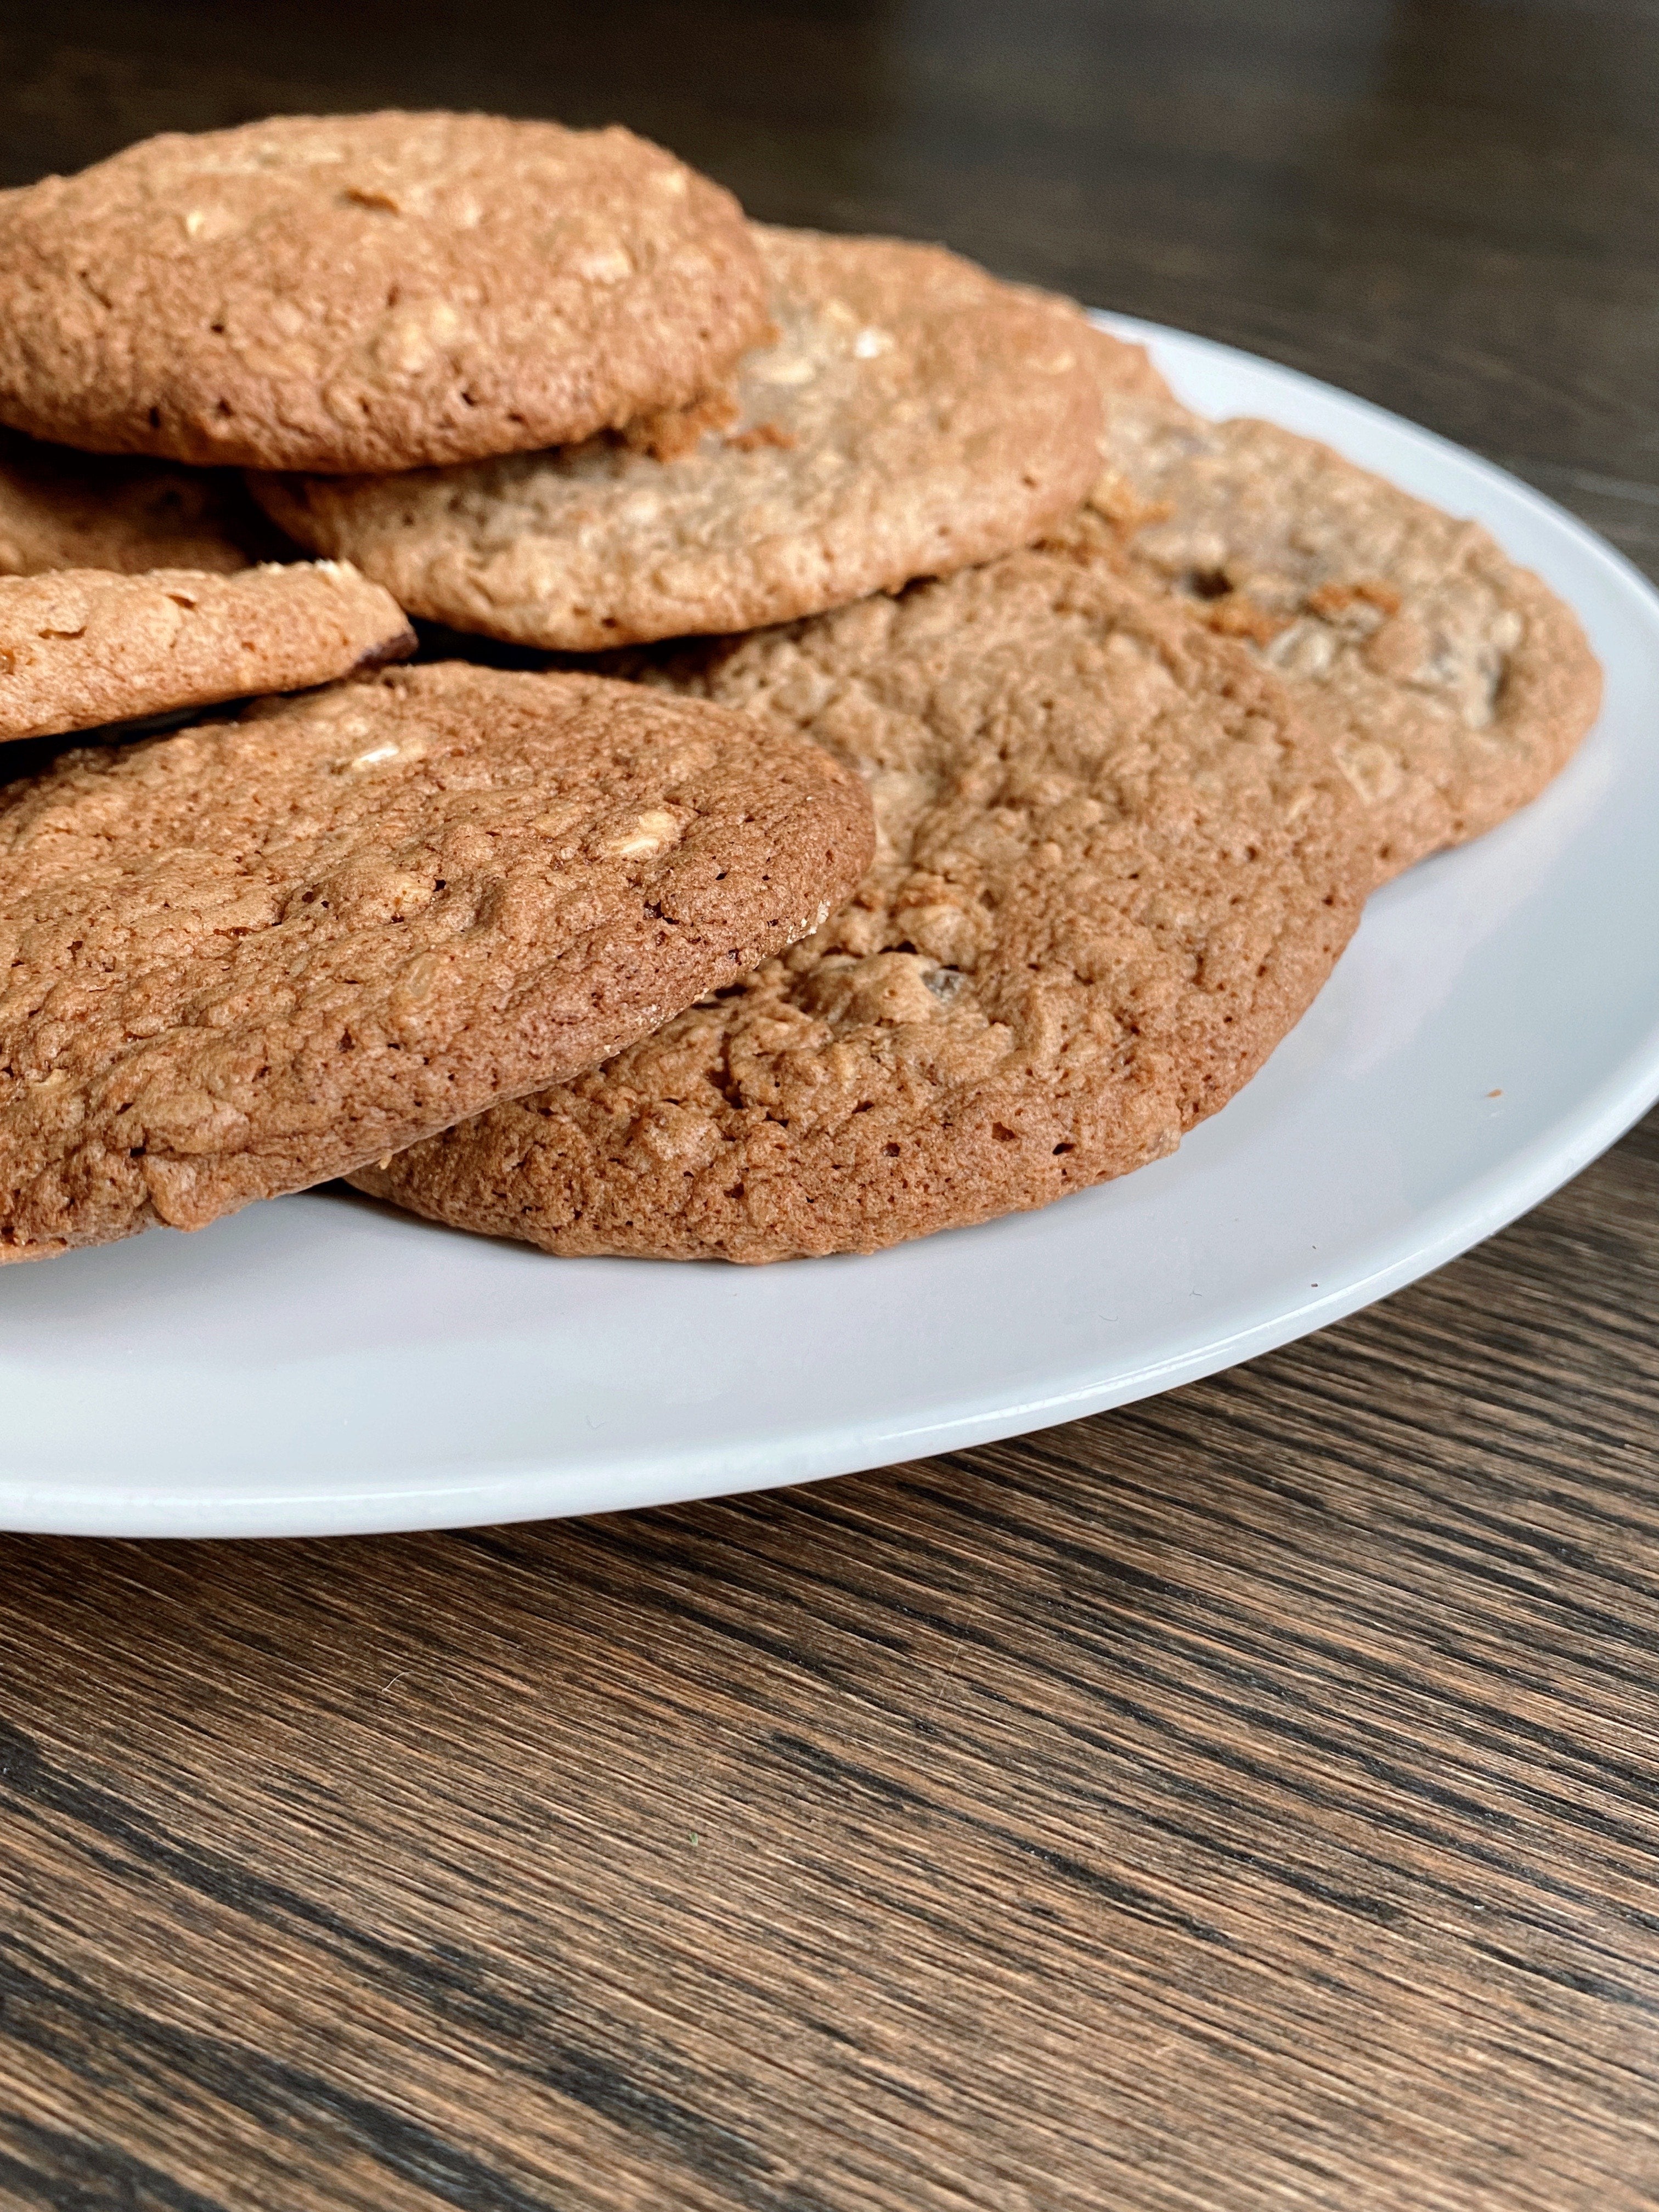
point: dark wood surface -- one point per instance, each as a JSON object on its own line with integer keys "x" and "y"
{"x": 1250, "y": 1799}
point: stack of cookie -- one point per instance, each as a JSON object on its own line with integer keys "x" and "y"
{"x": 975, "y": 762}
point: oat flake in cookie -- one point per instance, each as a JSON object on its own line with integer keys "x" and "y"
{"x": 1452, "y": 684}
{"x": 367, "y": 291}
{"x": 913, "y": 416}
{"x": 61, "y": 509}
{"x": 1114, "y": 868}
{"x": 256, "y": 954}
{"x": 83, "y": 646}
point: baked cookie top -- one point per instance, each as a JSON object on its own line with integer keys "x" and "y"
{"x": 367, "y": 291}
{"x": 61, "y": 509}
{"x": 256, "y": 954}
{"x": 83, "y": 646}
{"x": 1114, "y": 866}
{"x": 1453, "y": 684}
{"x": 913, "y": 416}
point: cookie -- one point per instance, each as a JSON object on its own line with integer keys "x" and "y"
{"x": 367, "y": 292}
{"x": 1114, "y": 866}
{"x": 1453, "y": 684}
{"x": 61, "y": 509}
{"x": 913, "y": 416}
{"x": 254, "y": 955}
{"x": 1124, "y": 370}
{"x": 83, "y": 646}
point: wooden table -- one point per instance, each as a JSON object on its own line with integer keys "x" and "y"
{"x": 1249, "y": 1799}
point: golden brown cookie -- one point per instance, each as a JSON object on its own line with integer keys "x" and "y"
{"x": 254, "y": 955}
{"x": 1452, "y": 684}
{"x": 912, "y": 416}
{"x": 1124, "y": 370}
{"x": 1114, "y": 866}
{"x": 367, "y": 291}
{"x": 83, "y": 646}
{"x": 61, "y": 509}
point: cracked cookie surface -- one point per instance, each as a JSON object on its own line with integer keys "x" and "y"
{"x": 367, "y": 291}
{"x": 1114, "y": 868}
{"x": 60, "y": 509}
{"x": 1453, "y": 684}
{"x": 913, "y": 416}
{"x": 80, "y": 648}
{"x": 248, "y": 957}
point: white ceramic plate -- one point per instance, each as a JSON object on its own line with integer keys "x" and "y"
{"x": 319, "y": 1366}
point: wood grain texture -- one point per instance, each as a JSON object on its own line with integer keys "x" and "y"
{"x": 1249, "y": 1799}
